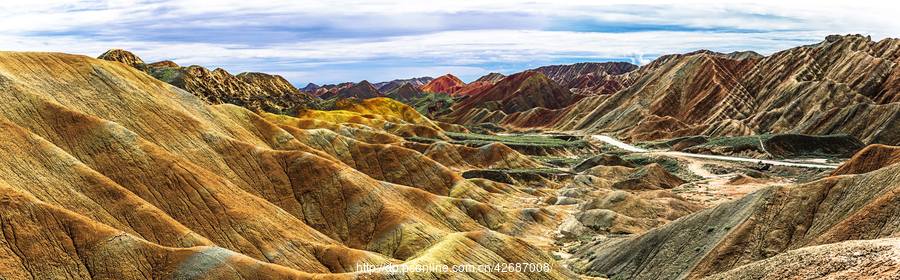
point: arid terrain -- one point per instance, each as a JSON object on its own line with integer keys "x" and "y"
{"x": 700, "y": 165}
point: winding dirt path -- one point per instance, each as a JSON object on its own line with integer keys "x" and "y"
{"x": 631, "y": 148}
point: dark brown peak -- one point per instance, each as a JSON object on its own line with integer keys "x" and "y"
{"x": 122, "y": 56}
{"x": 365, "y": 83}
{"x": 164, "y": 63}
{"x": 310, "y": 87}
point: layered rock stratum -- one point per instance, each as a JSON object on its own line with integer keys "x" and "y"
{"x": 590, "y": 78}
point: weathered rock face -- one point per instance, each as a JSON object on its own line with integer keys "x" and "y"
{"x": 757, "y": 227}
{"x": 444, "y": 84}
{"x": 807, "y": 90}
{"x": 516, "y": 93}
{"x": 255, "y": 91}
{"x": 590, "y": 77}
{"x": 111, "y": 173}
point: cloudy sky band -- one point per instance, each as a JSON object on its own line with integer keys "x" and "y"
{"x": 334, "y": 41}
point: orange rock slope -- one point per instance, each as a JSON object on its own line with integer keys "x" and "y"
{"x": 110, "y": 173}
{"x": 444, "y": 84}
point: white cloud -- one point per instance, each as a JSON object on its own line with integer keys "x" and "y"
{"x": 495, "y": 32}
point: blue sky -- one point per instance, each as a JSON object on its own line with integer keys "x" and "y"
{"x": 335, "y": 41}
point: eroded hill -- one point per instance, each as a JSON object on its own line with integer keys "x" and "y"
{"x": 111, "y": 173}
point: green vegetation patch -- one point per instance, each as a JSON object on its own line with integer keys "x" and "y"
{"x": 167, "y": 74}
{"x": 671, "y": 165}
{"x": 559, "y": 161}
{"x": 518, "y": 140}
{"x": 738, "y": 143}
